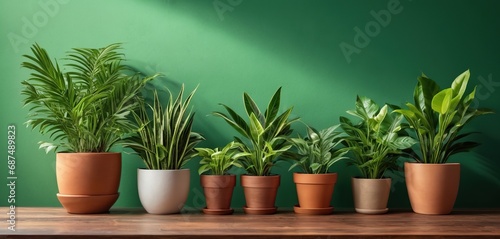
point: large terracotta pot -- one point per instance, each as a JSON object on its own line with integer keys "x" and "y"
{"x": 314, "y": 192}
{"x": 163, "y": 191}
{"x": 260, "y": 193}
{"x": 218, "y": 190}
{"x": 371, "y": 195}
{"x": 432, "y": 188}
{"x": 88, "y": 182}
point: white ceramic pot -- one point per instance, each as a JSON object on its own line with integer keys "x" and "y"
{"x": 163, "y": 191}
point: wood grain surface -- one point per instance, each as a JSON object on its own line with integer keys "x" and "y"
{"x": 135, "y": 223}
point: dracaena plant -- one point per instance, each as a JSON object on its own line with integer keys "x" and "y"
{"x": 377, "y": 140}
{"x": 265, "y": 132}
{"x": 437, "y": 117}
{"x": 219, "y": 161}
{"x": 164, "y": 138}
{"x": 318, "y": 151}
{"x": 86, "y": 107}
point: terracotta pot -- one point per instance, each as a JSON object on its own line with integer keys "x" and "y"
{"x": 88, "y": 182}
{"x": 218, "y": 190}
{"x": 371, "y": 195}
{"x": 314, "y": 190}
{"x": 88, "y": 173}
{"x": 260, "y": 193}
{"x": 163, "y": 191}
{"x": 432, "y": 188}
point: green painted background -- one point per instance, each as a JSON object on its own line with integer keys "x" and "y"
{"x": 257, "y": 46}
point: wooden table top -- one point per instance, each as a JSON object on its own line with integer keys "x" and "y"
{"x": 32, "y": 222}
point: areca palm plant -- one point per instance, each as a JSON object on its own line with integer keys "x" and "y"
{"x": 86, "y": 108}
{"x": 377, "y": 140}
{"x": 266, "y": 133}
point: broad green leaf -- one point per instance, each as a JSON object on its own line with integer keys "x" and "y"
{"x": 441, "y": 102}
{"x": 459, "y": 85}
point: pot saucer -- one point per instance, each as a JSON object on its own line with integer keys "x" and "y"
{"x": 260, "y": 211}
{"x": 372, "y": 211}
{"x": 218, "y": 211}
{"x": 87, "y": 204}
{"x": 313, "y": 211}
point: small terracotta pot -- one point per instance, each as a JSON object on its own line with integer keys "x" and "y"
{"x": 260, "y": 193}
{"x": 314, "y": 190}
{"x": 88, "y": 182}
{"x": 432, "y": 188}
{"x": 218, "y": 190}
{"x": 371, "y": 195}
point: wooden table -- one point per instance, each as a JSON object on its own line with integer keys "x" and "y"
{"x": 135, "y": 223}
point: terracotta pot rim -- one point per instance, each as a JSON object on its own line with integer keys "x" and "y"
{"x": 88, "y": 153}
{"x": 212, "y": 175}
{"x": 329, "y": 173}
{"x": 272, "y": 175}
{"x": 417, "y": 163}
{"x": 368, "y": 179}
{"x": 146, "y": 169}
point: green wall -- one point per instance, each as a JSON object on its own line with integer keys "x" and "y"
{"x": 311, "y": 48}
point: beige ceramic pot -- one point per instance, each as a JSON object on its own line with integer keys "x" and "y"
{"x": 88, "y": 182}
{"x": 371, "y": 195}
{"x": 432, "y": 188}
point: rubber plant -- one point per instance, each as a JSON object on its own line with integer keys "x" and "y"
{"x": 84, "y": 107}
{"x": 437, "y": 118}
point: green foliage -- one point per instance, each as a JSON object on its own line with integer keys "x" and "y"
{"x": 437, "y": 117}
{"x": 266, "y": 133}
{"x": 378, "y": 140}
{"x": 84, "y": 109}
{"x": 317, "y": 152}
{"x": 218, "y": 162}
{"x": 165, "y": 140}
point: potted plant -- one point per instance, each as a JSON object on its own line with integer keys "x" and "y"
{"x": 376, "y": 142}
{"x": 266, "y": 134}
{"x": 84, "y": 110}
{"x": 165, "y": 142}
{"x": 437, "y": 117}
{"x": 217, "y": 184}
{"x": 315, "y": 154}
